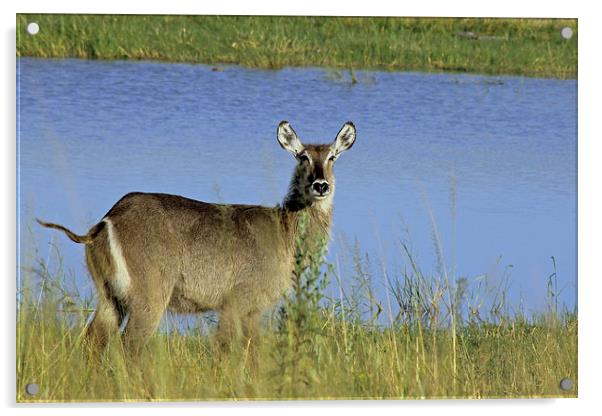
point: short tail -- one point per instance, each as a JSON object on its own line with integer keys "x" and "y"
{"x": 81, "y": 239}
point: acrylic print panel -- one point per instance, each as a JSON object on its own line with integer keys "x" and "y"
{"x": 444, "y": 266}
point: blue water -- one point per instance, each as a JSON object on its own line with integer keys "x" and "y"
{"x": 491, "y": 159}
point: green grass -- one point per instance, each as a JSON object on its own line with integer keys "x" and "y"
{"x": 444, "y": 342}
{"x": 531, "y": 47}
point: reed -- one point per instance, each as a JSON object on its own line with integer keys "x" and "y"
{"x": 441, "y": 340}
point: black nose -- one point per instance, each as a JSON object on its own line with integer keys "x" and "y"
{"x": 320, "y": 187}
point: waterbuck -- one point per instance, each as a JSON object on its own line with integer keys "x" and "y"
{"x": 152, "y": 252}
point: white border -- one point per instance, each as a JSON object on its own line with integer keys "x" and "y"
{"x": 590, "y": 272}
{"x": 464, "y": 8}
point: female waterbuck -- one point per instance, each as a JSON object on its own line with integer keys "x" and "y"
{"x": 153, "y": 252}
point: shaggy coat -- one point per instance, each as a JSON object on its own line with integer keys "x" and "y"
{"x": 153, "y": 252}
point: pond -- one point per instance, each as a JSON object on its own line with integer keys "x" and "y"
{"x": 475, "y": 172}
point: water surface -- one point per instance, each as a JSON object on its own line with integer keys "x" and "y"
{"x": 491, "y": 161}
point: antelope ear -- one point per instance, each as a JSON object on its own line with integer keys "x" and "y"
{"x": 345, "y": 138}
{"x": 288, "y": 139}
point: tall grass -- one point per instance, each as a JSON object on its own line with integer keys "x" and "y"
{"x": 441, "y": 340}
{"x": 530, "y": 47}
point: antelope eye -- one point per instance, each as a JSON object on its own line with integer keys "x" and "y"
{"x": 303, "y": 158}
{"x": 332, "y": 158}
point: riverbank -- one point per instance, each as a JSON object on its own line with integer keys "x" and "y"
{"x": 348, "y": 360}
{"x": 436, "y": 337}
{"x": 530, "y": 47}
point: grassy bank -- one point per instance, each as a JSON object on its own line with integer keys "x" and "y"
{"x": 531, "y": 47}
{"x": 348, "y": 361}
{"x": 439, "y": 340}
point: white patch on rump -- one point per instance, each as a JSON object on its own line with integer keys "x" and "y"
{"x": 121, "y": 280}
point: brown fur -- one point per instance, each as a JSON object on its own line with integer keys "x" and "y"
{"x": 190, "y": 256}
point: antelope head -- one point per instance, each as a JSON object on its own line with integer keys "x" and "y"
{"x": 313, "y": 180}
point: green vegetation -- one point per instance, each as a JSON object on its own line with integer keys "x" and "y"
{"x": 531, "y": 47}
{"x": 431, "y": 339}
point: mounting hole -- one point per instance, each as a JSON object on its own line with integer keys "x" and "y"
{"x": 32, "y": 389}
{"x": 566, "y": 32}
{"x": 566, "y": 384}
{"x": 33, "y": 28}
